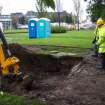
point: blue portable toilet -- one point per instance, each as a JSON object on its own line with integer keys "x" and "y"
{"x": 32, "y": 26}
{"x": 44, "y": 28}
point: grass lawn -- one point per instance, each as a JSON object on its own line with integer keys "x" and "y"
{"x": 80, "y": 38}
{"x": 7, "y": 99}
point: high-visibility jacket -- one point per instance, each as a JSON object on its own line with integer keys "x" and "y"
{"x": 96, "y": 37}
{"x": 96, "y": 33}
{"x": 101, "y": 40}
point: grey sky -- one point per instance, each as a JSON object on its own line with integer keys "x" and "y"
{"x": 10, "y": 6}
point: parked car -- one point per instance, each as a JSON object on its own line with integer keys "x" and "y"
{"x": 88, "y": 26}
{"x": 22, "y": 26}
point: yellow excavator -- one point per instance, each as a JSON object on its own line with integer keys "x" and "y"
{"x": 9, "y": 64}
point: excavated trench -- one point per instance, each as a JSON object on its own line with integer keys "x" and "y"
{"x": 47, "y": 71}
{"x": 59, "y": 80}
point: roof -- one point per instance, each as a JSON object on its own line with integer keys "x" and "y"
{"x": 36, "y": 19}
{"x": 45, "y": 19}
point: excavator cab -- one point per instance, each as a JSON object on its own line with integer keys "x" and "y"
{"x": 9, "y": 65}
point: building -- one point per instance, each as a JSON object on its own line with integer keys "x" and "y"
{"x": 31, "y": 14}
{"x": 18, "y": 14}
{"x": 6, "y": 21}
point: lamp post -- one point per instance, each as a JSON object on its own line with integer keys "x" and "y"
{"x": 58, "y": 4}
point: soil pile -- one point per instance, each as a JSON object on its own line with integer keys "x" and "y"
{"x": 37, "y": 63}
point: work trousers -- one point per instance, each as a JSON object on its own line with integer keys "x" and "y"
{"x": 95, "y": 48}
{"x": 102, "y": 56}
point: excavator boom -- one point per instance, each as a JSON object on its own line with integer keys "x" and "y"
{"x": 9, "y": 64}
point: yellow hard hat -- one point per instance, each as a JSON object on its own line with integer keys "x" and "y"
{"x": 100, "y": 22}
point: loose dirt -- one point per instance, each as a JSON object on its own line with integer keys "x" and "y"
{"x": 64, "y": 80}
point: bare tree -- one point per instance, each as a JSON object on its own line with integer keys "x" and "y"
{"x": 42, "y": 5}
{"x": 59, "y": 10}
{"x": 41, "y": 8}
{"x": 78, "y": 10}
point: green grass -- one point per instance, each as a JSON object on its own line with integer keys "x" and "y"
{"x": 8, "y": 99}
{"x": 15, "y": 31}
{"x": 80, "y": 39}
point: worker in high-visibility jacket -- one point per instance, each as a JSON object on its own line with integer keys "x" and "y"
{"x": 101, "y": 41}
{"x": 94, "y": 41}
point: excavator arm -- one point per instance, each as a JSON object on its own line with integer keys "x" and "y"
{"x": 9, "y": 64}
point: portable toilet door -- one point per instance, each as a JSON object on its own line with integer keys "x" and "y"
{"x": 33, "y": 28}
{"x": 41, "y": 28}
{"x": 47, "y": 26}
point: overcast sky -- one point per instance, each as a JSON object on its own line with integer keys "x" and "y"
{"x": 11, "y": 6}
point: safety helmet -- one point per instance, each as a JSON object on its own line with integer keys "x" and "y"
{"x": 100, "y": 22}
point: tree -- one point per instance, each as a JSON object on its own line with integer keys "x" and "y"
{"x": 96, "y": 9}
{"x": 42, "y": 5}
{"x": 22, "y": 20}
{"x": 53, "y": 17}
{"x": 66, "y": 17}
{"x": 49, "y": 3}
{"x": 78, "y": 10}
{"x": 41, "y": 9}
{"x": 69, "y": 18}
{"x": 15, "y": 21}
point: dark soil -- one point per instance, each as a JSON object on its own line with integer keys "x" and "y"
{"x": 64, "y": 80}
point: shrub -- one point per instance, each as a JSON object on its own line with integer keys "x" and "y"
{"x": 57, "y": 29}
{"x": 72, "y": 27}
